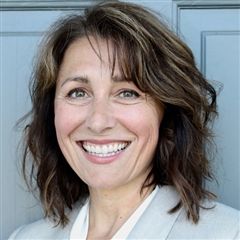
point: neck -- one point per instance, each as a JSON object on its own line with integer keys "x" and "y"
{"x": 110, "y": 208}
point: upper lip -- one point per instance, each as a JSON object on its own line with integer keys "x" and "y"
{"x": 103, "y": 141}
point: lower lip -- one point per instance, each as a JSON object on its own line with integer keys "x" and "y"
{"x": 102, "y": 160}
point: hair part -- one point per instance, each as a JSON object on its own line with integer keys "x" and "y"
{"x": 159, "y": 64}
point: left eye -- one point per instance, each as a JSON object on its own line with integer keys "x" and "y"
{"x": 128, "y": 94}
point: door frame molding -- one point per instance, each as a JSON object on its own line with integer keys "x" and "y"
{"x": 45, "y": 5}
{"x": 179, "y": 5}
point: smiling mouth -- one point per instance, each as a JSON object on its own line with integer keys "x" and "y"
{"x": 104, "y": 150}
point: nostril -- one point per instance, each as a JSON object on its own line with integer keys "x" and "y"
{"x": 100, "y": 121}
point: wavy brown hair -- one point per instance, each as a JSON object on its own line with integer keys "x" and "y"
{"x": 159, "y": 64}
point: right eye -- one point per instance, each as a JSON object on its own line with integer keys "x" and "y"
{"x": 77, "y": 93}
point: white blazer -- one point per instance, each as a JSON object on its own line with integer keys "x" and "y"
{"x": 221, "y": 222}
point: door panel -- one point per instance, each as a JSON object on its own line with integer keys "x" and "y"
{"x": 222, "y": 63}
{"x": 213, "y": 33}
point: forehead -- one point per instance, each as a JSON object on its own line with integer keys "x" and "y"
{"x": 90, "y": 47}
{"x": 86, "y": 54}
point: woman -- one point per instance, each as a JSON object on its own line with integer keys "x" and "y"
{"x": 119, "y": 130}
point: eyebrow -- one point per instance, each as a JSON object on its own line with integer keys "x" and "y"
{"x": 81, "y": 79}
{"x": 84, "y": 79}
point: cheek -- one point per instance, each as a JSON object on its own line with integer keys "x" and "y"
{"x": 66, "y": 118}
{"x": 142, "y": 121}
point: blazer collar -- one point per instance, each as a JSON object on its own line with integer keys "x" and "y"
{"x": 156, "y": 222}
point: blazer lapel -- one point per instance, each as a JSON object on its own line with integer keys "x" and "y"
{"x": 156, "y": 222}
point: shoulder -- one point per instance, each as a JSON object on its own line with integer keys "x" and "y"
{"x": 40, "y": 229}
{"x": 45, "y": 229}
{"x": 217, "y": 222}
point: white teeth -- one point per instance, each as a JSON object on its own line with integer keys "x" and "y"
{"x": 104, "y": 150}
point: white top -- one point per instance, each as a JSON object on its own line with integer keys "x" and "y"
{"x": 80, "y": 226}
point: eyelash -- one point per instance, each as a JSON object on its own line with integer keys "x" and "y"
{"x": 133, "y": 93}
{"x": 75, "y": 91}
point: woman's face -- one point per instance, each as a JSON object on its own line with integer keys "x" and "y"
{"x": 106, "y": 127}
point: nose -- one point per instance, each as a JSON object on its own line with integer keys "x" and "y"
{"x": 100, "y": 117}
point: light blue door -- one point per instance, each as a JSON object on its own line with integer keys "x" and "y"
{"x": 212, "y": 33}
